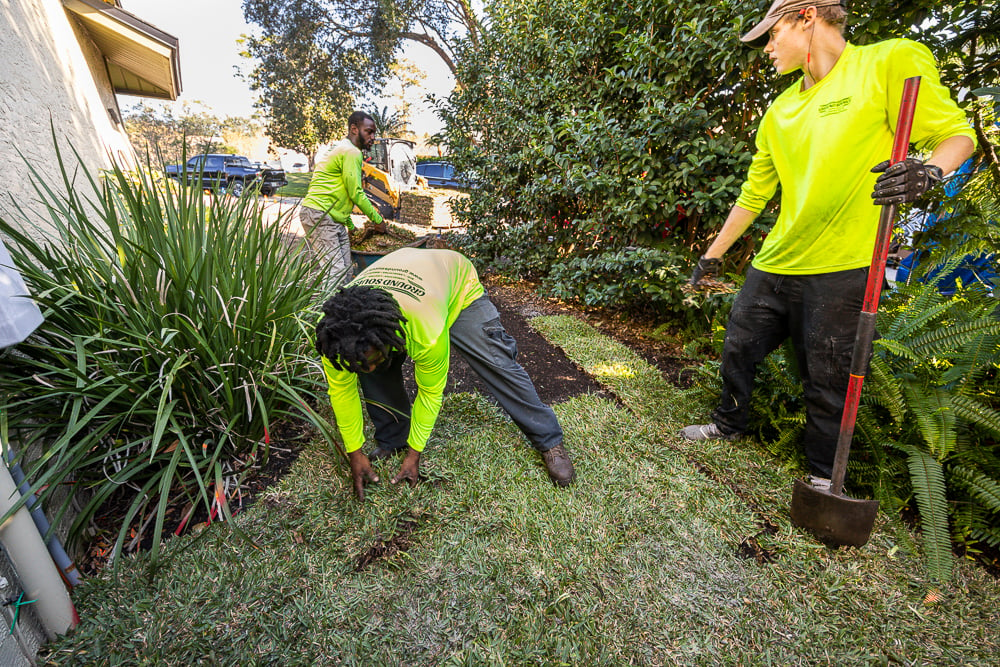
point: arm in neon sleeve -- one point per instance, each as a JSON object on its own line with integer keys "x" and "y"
{"x": 761, "y": 182}
{"x": 342, "y": 386}
{"x": 937, "y": 116}
{"x": 431, "y": 373}
{"x": 352, "y": 182}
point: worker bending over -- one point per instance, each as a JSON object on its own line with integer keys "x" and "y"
{"x": 419, "y": 303}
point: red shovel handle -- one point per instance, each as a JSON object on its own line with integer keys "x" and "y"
{"x": 873, "y": 290}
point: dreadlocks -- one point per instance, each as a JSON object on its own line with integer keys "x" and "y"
{"x": 355, "y": 321}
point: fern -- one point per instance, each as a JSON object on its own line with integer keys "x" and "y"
{"x": 923, "y": 316}
{"x": 883, "y": 389}
{"x": 927, "y": 478}
{"x": 986, "y": 490}
{"x": 934, "y": 417}
{"x": 977, "y": 413}
{"x": 981, "y": 354}
{"x": 953, "y": 338}
{"x": 986, "y": 533}
{"x": 898, "y": 349}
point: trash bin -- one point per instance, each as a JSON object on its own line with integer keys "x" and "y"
{"x": 19, "y": 315}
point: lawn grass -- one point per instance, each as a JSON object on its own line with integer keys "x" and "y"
{"x": 487, "y": 563}
{"x": 298, "y": 184}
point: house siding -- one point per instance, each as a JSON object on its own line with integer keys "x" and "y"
{"x": 54, "y": 77}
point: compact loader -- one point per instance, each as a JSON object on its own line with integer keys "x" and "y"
{"x": 389, "y": 169}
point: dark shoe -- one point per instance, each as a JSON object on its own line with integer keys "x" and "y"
{"x": 559, "y": 466}
{"x": 380, "y": 453}
{"x": 706, "y": 432}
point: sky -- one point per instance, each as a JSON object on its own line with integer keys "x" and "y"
{"x": 208, "y": 31}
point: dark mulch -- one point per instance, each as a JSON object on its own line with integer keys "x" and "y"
{"x": 521, "y": 300}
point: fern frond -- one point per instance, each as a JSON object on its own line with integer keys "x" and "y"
{"x": 787, "y": 445}
{"x": 948, "y": 340}
{"x": 927, "y": 478}
{"x": 976, "y": 412}
{"x": 982, "y": 488}
{"x": 897, "y": 348}
{"x": 985, "y": 533}
{"x": 926, "y": 307}
{"x": 884, "y": 389}
{"x": 981, "y": 353}
{"x": 935, "y": 417}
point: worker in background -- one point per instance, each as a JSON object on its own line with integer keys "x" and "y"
{"x": 334, "y": 191}
{"x": 822, "y": 140}
{"x": 420, "y": 303}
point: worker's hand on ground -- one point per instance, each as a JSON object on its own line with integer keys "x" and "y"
{"x": 904, "y": 181}
{"x": 380, "y": 227}
{"x": 707, "y": 267}
{"x": 361, "y": 472}
{"x": 410, "y": 469}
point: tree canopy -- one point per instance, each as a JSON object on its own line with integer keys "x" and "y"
{"x": 316, "y": 58}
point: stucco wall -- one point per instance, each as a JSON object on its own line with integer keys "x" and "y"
{"x": 53, "y": 72}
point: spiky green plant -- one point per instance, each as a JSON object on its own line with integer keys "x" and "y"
{"x": 176, "y": 335}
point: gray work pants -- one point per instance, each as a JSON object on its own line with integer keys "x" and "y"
{"x": 492, "y": 353}
{"x": 330, "y": 244}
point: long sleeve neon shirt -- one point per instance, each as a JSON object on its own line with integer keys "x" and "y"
{"x": 431, "y": 287}
{"x": 336, "y": 187}
{"x": 820, "y": 145}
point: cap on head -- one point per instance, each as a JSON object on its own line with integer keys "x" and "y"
{"x": 778, "y": 9}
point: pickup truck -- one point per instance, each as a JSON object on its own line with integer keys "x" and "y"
{"x": 228, "y": 173}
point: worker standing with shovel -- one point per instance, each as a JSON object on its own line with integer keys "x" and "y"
{"x": 823, "y": 140}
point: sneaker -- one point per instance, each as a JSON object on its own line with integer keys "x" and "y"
{"x": 819, "y": 483}
{"x": 559, "y": 466}
{"x": 380, "y": 453}
{"x": 706, "y": 432}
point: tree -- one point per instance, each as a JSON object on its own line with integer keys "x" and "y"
{"x": 315, "y": 58}
{"x": 166, "y": 136}
{"x": 365, "y": 31}
{"x": 388, "y": 124}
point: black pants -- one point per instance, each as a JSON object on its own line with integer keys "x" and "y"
{"x": 820, "y": 314}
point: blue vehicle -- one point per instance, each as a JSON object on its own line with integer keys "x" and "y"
{"x": 440, "y": 173}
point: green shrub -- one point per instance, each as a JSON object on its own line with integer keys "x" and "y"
{"x": 621, "y": 278}
{"x": 176, "y": 336}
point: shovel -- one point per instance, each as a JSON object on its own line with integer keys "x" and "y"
{"x": 832, "y": 517}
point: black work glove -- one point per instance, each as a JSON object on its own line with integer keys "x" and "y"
{"x": 904, "y": 181}
{"x": 705, "y": 268}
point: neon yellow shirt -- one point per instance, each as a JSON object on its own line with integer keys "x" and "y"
{"x": 820, "y": 145}
{"x": 431, "y": 287}
{"x": 336, "y": 188}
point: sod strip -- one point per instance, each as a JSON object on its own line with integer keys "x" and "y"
{"x": 762, "y": 482}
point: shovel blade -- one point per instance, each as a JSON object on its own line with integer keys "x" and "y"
{"x": 836, "y": 520}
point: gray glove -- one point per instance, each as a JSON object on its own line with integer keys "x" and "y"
{"x": 904, "y": 181}
{"x": 707, "y": 267}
